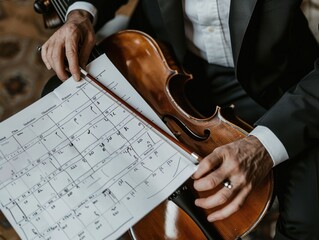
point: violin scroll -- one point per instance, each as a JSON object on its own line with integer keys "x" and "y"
{"x": 50, "y": 17}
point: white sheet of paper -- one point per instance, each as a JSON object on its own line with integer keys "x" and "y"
{"x": 103, "y": 70}
{"x": 78, "y": 165}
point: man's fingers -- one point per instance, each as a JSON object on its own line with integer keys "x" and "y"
{"x": 207, "y": 164}
{"x": 71, "y": 52}
{"x": 232, "y": 207}
{"x": 210, "y": 181}
{"x": 240, "y": 169}
{"x": 86, "y": 50}
{"x": 44, "y": 53}
{"x": 221, "y": 197}
{"x": 52, "y": 53}
{"x": 58, "y": 63}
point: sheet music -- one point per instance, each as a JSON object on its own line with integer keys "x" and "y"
{"x": 78, "y": 165}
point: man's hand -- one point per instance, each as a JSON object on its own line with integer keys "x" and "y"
{"x": 77, "y": 34}
{"x": 244, "y": 163}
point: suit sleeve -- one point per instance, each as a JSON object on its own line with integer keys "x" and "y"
{"x": 106, "y": 9}
{"x": 294, "y": 119}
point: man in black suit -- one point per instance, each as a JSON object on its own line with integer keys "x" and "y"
{"x": 253, "y": 54}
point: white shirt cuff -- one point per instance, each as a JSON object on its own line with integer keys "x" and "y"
{"x": 273, "y": 145}
{"x": 81, "y": 5}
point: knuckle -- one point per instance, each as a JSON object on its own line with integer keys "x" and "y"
{"x": 206, "y": 164}
{"x": 237, "y": 206}
{"x": 70, "y": 27}
{"x": 69, "y": 31}
{"x": 71, "y": 52}
{"x": 242, "y": 181}
{"x": 218, "y": 150}
{"x": 212, "y": 182}
{"x": 234, "y": 168}
{"x": 60, "y": 33}
{"x": 223, "y": 198}
{"x": 249, "y": 186}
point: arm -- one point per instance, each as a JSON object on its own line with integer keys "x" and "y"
{"x": 294, "y": 118}
{"x": 294, "y": 121}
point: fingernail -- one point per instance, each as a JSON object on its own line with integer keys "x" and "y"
{"x": 211, "y": 219}
{"x": 77, "y": 77}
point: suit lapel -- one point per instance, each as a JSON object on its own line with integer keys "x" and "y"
{"x": 239, "y": 17}
{"x": 172, "y": 13}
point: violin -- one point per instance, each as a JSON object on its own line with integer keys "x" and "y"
{"x": 154, "y": 73}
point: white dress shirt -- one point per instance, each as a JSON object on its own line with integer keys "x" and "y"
{"x": 208, "y": 36}
{"x": 207, "y": 30}
{"x": 81, "y": 5}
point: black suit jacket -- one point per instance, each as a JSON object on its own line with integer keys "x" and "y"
{"x": 273, "y": 49}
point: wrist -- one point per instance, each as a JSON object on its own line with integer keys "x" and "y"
{"x": 79, "y": 14}
{"x": 270, "y": 141}
{"x": 261, "y": 151}
{"x": 87, "y": 7}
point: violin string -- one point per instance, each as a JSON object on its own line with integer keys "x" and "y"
{"x": 64, "y": 7}
{"x": 61, "y": 11}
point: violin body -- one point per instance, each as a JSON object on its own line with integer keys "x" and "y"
{"x": 153, "y": 72}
